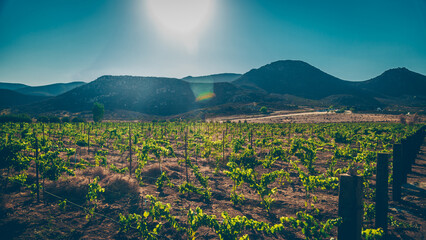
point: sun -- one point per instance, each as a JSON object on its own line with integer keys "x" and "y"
{"x": 181, "y": 19}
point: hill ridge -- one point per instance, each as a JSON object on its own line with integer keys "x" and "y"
{"x": 276, "y": 84}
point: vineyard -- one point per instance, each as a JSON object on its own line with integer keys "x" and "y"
{"x": 191, "y": 180}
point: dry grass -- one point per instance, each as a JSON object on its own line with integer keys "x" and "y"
{"x": 75, "y": 188}
{"x": 151, "y": 174}
{"x": 71, "y": 188}
{"x": 100, "y": 172}
{"x": 118, "y": 187}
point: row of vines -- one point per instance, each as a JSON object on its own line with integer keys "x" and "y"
{"x": 264, "y": 180}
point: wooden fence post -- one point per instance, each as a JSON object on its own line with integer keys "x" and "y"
{"x": 130, "y": 151}
{"x": 36, "y": 162}
{"x": 223, "y": 147}
{"x": 415, "y": 142}
{"x": 44, "y": 139}
{"x": 397, "y": 172}
{"x": 143, "y": 209}
{"x": 350, "y": 207}
{"x": 289, "y": 132}
{"x": 410, "y": 153}
{"x": 382, "y": 176}
{"x": 186, "y": 155}
{"x": 88, "y": 139}
{"x": 251, "y": 138}
{"x": 44, "y": 194}
{"x": 405, "y": 161}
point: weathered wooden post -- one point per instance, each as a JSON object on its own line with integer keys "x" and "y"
{"x": 397, "y": 172}
{"x": 419, "y": 139}
{"x": 289, "y": 132}
{"x": 405, "y": 162}
{"x": 382, "y": 176}
{"x": 130, "y": 151}
{"x": 251, "y": 138}
{"x": 44, "y": 194}
{"x": 350, "y": 207}
{"x": 186, "y": 155}
{"x": 223, "y": 147}
{"x": 142, "y": 129}
{"x": 415, "y": 149}
{"x": 410, "y": 153}
{"x": 44, "y": 139}
{"x": 143, "y": 210}
{"x": 36, "y": 162}
{"x": 88, "y": 139}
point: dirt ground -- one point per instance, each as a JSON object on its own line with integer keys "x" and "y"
{"x": 22, "y": 217}
{"x": 314, "y": 117}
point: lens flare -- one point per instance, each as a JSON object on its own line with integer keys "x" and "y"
{"x": 205, "y": 96}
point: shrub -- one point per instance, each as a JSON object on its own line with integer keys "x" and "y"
{"x": 43, "y": 119}
{"x": 65, "y": 119}
{"x": 15, "y": 118}
{"x": 78, "y": 120}
{"x": 98, "y": 112}
{"x": 54, "y": 119}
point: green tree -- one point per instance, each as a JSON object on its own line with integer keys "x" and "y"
{"x": 263, "y": 110}
{"x": 98, "y": 112}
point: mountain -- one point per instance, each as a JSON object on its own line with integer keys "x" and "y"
{"x": 50, "y": 90}
{"x": 295, "y": 78}
{"x": 348, "y": 100}
{"x": 11, "y": 86}
{"x": 150, "y": 95}
{"x": 277, "y": 85}
{"x": 215, "y": 78}
{"x": 396, "y": 83}
{"x": 10, "y": 98}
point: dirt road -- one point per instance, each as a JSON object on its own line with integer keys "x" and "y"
{"x": 311, "y": 117}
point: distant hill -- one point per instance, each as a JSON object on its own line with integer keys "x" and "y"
{"x": 279, "y": 85}
{"x": 295, "y": 78}
{"x": 215, "y": 78}
{"x": 10, "y": 98}
{"x": 150, "y": 95}
{"x": 357, "y": 101}
{"x": 50, "y": 90}
{"x": 12, "y": 86}
{"x": 396, "y": 83}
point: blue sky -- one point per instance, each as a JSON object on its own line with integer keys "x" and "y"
{"x": 48, "y": 41}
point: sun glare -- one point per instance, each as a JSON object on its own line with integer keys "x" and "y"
{"x": 181, "y": 19}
